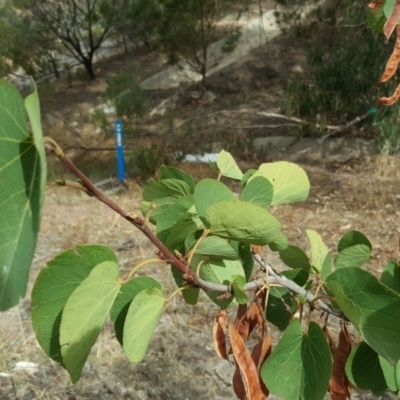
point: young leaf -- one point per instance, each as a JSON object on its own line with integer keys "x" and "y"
{"x": 353, "y": 238}
{"x": 219, "y": 329}
{"x": 55, "y": 284}
{"x": 300, "y": 366}
{"x": 84, "y": 315}
{"x": 364, "y": 370}
{"x": 171, "y": 172}
{"x": 354, "y": 256}
{"x": 326, "y": 266}
{"x": 294, "y": 257}
{"x": 371, "y": 307}
{"x": 242, "y": 221}
{"x": 246, "y": 365}
{"x": 228, "y": 167}
{"x": 391, "y": 276}
{"x": 140, "y": 322}
{"x": 218, "y": 248}
{"x": 124, "y": 298}
{"x": 258, "y": 191}
{"x": 208, "y": 192}
{"x": 238, "y": 282}
{"x": 289, "y": 181}
{"x": 339, "y": 383}
{"x": 22, "y": 183}
{"x": 319, "y": 251}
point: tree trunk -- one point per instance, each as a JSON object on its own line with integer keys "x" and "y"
{"x": 88, "y": 64}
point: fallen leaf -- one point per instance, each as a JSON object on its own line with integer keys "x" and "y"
{"x": 219, "y": 328}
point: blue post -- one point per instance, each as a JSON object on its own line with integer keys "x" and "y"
{"x": 120, "y": 150}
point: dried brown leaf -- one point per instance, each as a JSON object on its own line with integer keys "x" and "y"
{"x": 339, "y": 384}
{"x": 394, "y": 60}
{"x": 219, "y": 328}
{"x": 260, "y": 353}
{"x": 392, "y": 21}
{"x": 242, "y": 322}
{"x": 256, "y": 313}
{"x": 238, "y": 385}
{"x": 388, "y": 101}
{"x": 248, "y": 370}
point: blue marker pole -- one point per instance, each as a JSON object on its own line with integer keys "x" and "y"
{"x": 120, "y": 150}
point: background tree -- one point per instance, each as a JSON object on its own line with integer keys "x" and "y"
{"x": 25, "y": 44}
{"x": 189, "y": 27}
{"x": 80, "y": 26}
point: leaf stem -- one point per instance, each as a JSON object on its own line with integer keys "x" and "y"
{"x": 140, "y": 265}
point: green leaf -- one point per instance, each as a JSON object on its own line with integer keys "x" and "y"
{"x": 228, "y": 167}
{"x": 246, "y": 176}
{"x": 391, "y": 276}
{"x": 84, "y": 315}
{"x": 171, "y": 172}
{"x": 55, "y": 284}
{"x": 22, "y": 189}
{"x": 372, "y": 308}
{"x": 238, "y": 282}
{"x": 364, "y": 370}
{"x": 300, "y": 366}
{"x": 279, "y": 307}
{"x": 391, "y": 374}
{"x": 319, "y": 251}
{"x": 217, "y": 247}
{"x": 246, "y": 257}
{"x": 163, "y": 194}
{"x": 388, "y": 7}
{"x": 279, "y": 243}
{"x": 326, "y": 267}
{"x": 186, "y": 225}
{"x": 244, "y": 222}
{"x": 124, "y": 298}
{"x": 140, "y": 322}
{"x": 376, "y": 20}
{"x": 354, "y": 256}
{"x": 353, "y": 238}
{"x": 171, "y": 215}
{"x": 299, "y": 276}
{"x": 218, "y": 271}
{"x": 289, "y": 181}
{"x": 294, "y": 257}
{"x": 208, "y": 192}
{"x": 258, "y": 191}
{"x": 190, "y": 295}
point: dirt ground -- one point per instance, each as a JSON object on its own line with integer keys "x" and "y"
{"x": 181, "y": 363}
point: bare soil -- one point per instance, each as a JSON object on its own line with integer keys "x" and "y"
{"x": 181, "y": 363}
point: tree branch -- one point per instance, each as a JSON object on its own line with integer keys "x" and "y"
{"x": 177, "y": 260}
